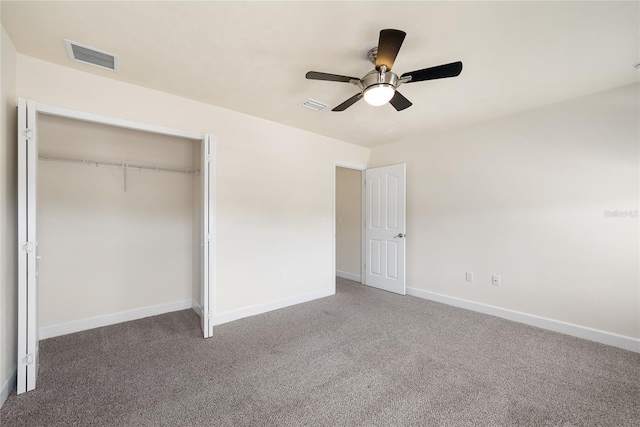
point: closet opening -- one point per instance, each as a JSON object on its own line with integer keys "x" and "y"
{"x": 116, "y": 223}
{"x": 119, "y": 224}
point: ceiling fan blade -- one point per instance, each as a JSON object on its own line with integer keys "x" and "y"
{"x": 388, "y": 47}
{"x": 349, "y": 102}
{"x": 399, "y": 102}
{"x": 440, "y": 72}
{"x": 315, "y": 75}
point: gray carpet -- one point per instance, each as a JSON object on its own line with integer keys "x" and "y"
{"x": 361, "y": 357}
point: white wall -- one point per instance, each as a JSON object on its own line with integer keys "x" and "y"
{"x": 105, "y": 251}
{"x": 524, "y": 197}
{"x": 348, "y": 222}
{"x": 274, "y": 184}
{"x": 8, "y": 218}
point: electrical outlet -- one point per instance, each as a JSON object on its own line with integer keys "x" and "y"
{"x": 495, "y": 280}
{"x": 280, "y": 273}
{"x": 469, "y": 276}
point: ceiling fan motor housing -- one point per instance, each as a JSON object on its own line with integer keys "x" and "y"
{"x": 374, "y": 78}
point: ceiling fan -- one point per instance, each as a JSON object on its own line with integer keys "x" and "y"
{"x": 380, "y": 86}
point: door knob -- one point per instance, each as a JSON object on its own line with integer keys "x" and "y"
{"x": 400, "y": 235}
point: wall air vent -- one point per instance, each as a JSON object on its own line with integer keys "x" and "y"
{"x": 92, "y": 56}
{"x": 314, "y": 105}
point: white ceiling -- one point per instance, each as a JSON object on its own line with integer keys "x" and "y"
{"x": 252, "y": 56}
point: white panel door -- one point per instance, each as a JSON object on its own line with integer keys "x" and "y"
{"x": 208, "y": 205}
{"x": 28, "y": 246}
{"x": 385, "y": 228}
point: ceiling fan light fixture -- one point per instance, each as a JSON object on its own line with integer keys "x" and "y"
{"x": 379, "y": 94}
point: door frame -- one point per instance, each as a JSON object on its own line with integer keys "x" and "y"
{"x": 362, "y": 168}
{"x": 208, "y": 235}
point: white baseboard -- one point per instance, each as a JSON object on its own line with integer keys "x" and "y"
{"x": 196, "y": 307}
{"x": 7, "y": 387}
{"x": 348, "y": 276}
{"x": 615, "y": 340}
{"x": 111, "y": 319}
{"x": 229, "y": 316}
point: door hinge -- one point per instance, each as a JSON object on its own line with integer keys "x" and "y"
{"x": 28, "y": 359}
{"x": 208, "y": 158}
{"x": 28, "y": 134}
{"x": 209, "y": 315}
{"x": 28, "y": 247}
{"x": 209, "y": 237}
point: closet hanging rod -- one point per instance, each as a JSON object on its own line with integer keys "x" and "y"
{"x": 63, "y": 158}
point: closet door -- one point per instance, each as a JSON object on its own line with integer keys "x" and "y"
{"x": 208, "y": 205}
{"x": 28, "y": 246}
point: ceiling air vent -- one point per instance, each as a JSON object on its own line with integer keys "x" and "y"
{"x": 92, "y": 56}
{"x": 314, "y": 105}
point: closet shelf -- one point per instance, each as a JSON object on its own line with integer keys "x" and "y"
{"x": 92, "y": 161}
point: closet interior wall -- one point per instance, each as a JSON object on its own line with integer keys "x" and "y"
{"x": 105, "y": 250}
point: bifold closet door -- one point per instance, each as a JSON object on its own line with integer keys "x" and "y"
{"x": 28, "y": 246}
{"x": 208, "y": 237}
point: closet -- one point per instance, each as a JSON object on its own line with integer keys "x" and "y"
{"x": 115, "y": 223}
